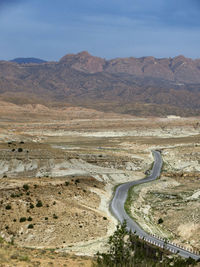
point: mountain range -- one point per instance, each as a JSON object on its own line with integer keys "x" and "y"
{"x": 138, "y": 86}
{"x": 29, "y": 60}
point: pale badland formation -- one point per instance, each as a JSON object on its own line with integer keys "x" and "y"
{"x": 71, "y": 131}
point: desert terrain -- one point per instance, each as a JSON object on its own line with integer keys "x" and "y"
{"x": 59, "y": 168}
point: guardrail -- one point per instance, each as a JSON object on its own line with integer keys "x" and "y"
{"x": 167, "y": 242}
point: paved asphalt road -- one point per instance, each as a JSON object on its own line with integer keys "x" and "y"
{"x": 117, "y": 208}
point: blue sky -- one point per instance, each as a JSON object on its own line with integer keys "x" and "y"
{"x": 49, "y": 29}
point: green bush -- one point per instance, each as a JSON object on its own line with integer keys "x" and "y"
{"x": 8, "y": 207}
{"x": 30, "y": 226}
{"x": 26, "y": 187}
{"x": 22, "y": 219}
{"x": 31, "y": 206}
{"x": 160, "y": 221}
{"x": 29, "y": 219}
{"x": 55, "y": 216}
{"x": 39, "y": 204}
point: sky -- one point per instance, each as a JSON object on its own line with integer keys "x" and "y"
{"x": 49, "y": 29}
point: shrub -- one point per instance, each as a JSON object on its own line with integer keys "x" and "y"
{"x": 8, "y": 207}
{"x": 66, "y": 183}
{"x": 55, "y": 216}
{"x": 160, "y": 221}
{"x": 31, "y": 206}
{"x": 20, "y": 149}
{"x": 39, "y": 204}
{"x": 24, "y": 258}
{"x": 46, "y": 218}
{"x": 30, "y": 226}
{"x": 22, "y": 219}
{"x": 29, "y": 219}
{"x": 26, "y": 187}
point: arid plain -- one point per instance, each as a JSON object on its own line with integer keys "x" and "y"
{"x": 59, "y": 169}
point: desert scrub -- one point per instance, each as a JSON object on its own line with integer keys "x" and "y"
{"x": 8, "y": 207}
{"x": 31, "y": 206}
{"x": 22, "y": 219}
{"x": 55, "y": 216}
{"x": 26, "y": 187}
{"x": 29, "y": 219}
{"x": 39, "y": 204}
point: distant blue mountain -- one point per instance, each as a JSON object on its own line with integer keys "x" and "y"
{"x": 22, "y": 60}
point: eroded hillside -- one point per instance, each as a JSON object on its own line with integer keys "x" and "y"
{"x": 57, "y": 177}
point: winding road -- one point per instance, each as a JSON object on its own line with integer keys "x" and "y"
{"x": 118, "y": 210}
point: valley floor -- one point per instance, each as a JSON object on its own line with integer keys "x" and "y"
{"x": 57, "y": 177}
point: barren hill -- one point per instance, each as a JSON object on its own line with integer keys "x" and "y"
{"x": 139, "y": 86}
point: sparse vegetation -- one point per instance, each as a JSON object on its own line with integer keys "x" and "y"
{"x": 160, "y": 221}
{"x": 26, "y": 187}
{"x": 32, "y": 206}
{"x": 39, "y": 204}
{"x": 22, "y": 219}
{"x": 55, "y": 216}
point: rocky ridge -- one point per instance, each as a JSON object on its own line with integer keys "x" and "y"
{"x": 138, "y": 86}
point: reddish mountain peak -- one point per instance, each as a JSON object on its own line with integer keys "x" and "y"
{"x": 83, "y": 61}
{"x": 84, "y": 54}
{"x": 181, "y": 58}
{"x": 181, "y": 61}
